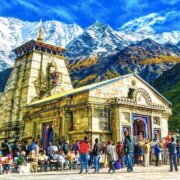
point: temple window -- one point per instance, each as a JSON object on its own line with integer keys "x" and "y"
{"x": 102, "y": 118}
{"x": 69, "y": 117}
{"x": 130, "y": 93}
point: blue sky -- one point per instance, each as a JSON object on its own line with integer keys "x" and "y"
{"x": 84, "y": 12}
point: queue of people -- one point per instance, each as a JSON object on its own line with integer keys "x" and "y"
{"x": 81, "y": 155}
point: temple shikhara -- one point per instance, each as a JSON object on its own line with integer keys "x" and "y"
{"x": 40, "y": 102}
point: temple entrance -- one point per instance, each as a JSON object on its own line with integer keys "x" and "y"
{"x": 47, "y": 135}
{"x": 140, "y": 126}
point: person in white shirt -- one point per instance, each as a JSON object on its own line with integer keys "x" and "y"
{"x": 61, "y": 159}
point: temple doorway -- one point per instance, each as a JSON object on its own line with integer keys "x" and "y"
{"x": 47, "y": 135}
{"x": 139, "y": 128}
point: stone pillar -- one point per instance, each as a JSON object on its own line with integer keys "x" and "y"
{"x": 90, "y": 110}
{"x": 115, "y": 123}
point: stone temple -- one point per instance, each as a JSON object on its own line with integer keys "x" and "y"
{"x": 40, "y": 102}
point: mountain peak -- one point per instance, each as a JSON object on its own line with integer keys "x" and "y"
{"x": 147, "y": 41}
{"x": 98, "y": 26}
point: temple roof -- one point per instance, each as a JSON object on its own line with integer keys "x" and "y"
{"x": 90, "y": 87}
{"x": 37, "y": 45}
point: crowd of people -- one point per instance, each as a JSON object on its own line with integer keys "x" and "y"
{"x": 63, "y": 156}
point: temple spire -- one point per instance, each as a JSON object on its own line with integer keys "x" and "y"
{"x": 40, "y": 35}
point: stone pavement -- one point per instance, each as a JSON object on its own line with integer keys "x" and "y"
{"x": 140, "y": 173}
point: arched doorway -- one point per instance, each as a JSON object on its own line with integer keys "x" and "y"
{"x": 140, "y": 128}
{"x": 47, "y": 135}
{"x": 50, "y": 134}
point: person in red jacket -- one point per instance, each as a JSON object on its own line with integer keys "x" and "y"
{"x": 84, "y": 153}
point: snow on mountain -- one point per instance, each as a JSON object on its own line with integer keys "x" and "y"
{"x": 143, "y": 27}
{"x": 14, "y": 32}
{"x": 96, "y": 40}
{"x": 162, "y": 38}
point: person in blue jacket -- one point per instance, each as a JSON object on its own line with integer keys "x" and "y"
{"x": 157, "y": 151}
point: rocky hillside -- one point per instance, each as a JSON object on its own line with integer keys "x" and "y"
{"x": 98, "y": 67}
{"x": 97, "y": 52}
{"x": 169, "y": 85}
{"x": 96, "y": 39}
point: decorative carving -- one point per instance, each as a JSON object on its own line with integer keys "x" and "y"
{"x": 141, "y": 96}
{"x": 56, "y": 78}
{"x": 156, "y": 120}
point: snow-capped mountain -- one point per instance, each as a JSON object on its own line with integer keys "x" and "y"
{"x": 143, "y": 27}
{"x": 14, "y": 32}
{"x": 98, "y": 52}
{"x": 97, "y": 39}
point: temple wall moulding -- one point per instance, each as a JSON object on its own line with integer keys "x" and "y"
{"x": 133, "y": 103}
{"x": 98, "y": 100}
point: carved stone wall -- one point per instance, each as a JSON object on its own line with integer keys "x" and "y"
{"x": 29, "y": 81}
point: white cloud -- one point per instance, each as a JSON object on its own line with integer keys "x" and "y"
{"x": 147, "y": 22}
{"x": 43, "y": 9}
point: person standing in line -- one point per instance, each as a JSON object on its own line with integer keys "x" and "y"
{"x": 111, "y": 156}
{"x": 66, "y": 147}
{"x": 6, "y": 148}
{"x": 178, "y": 151}
{"x": 129, "y": 151}
{"x": 172, "y": 147}
{"x": 146, "y": 148}
{"x": 24, "y": 147}
{"x": 75, "y": 147}
{"x": 96, "y": 154}
{"x": 157, "y": 151}
{"x": 84, "y": 153}
{"x": 104, "y": 155}
{"x": 15, "y": 149}
{"x": 32, "y": 146}
{"x": 37, "y": 148}
{"x": 120, "y": 153}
